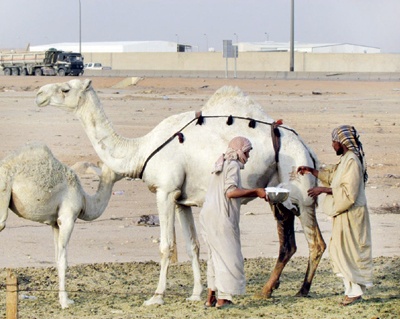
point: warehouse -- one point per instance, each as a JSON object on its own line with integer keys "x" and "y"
{"x": 117, "y": 46}
{"x": 270, "y": 46}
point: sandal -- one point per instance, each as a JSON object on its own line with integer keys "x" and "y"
{"x": 211, "y": 299}
{"x": 350, "y": 300}
{"x": 223, "y": 303}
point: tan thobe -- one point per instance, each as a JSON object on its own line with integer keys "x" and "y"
{"x": 350, "y": 246}
{"x": 219, "y": 219}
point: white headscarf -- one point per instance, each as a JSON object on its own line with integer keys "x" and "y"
{"x": 236, "y": 150}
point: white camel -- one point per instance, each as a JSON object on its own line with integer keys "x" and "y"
{"x": 176, "y": 158}
{"x": 36, "y": 186}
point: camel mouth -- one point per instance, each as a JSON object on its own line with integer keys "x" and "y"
{"x": 41, "y": 101}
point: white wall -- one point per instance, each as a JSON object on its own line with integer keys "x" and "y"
{"x": 249, "y": 61}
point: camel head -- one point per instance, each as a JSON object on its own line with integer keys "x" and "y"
{"x": 108, "y": 175}
{"x": 67, "y": 95}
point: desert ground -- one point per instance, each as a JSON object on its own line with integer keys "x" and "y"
{"x": 114, "y": 262}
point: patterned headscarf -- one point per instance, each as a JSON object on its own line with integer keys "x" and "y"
{"x": 348, "y": 136}
{"x": 236, "y": 150}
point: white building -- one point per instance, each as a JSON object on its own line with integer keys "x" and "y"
{"x": 120, "y": 46}
{"x": 270, "y": 46}
{"x": 165, "y": 46}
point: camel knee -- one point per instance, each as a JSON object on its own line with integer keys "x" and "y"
{"x": 167, "y": 250}
{"x": 193, "y": 250}
{"x": 317, "y": 245}
{"x": 317, "y": 251}
{"x": 285, "y": 253}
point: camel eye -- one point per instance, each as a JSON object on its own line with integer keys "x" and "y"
{"x": 65, "y": 90}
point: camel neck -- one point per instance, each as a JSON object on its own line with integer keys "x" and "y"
{"x": 108, "y": 144}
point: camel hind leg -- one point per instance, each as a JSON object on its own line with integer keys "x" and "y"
{"x": 287, "y": 247}
{"x": 186, "y": 220}
{"x": 316, "y": 246}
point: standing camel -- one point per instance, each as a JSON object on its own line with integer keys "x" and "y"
{"x": 175, "y": 160}
{"x": 36, "y": 186}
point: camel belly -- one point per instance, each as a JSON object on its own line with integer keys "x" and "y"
{"x": 40, "y": 212}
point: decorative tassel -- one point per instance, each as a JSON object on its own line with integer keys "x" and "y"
{"x": 230, "y": 120}
{"x": 252, "y": 123}
{"x": 199, "y": 117}
{"x": 200, "y": 120}
{"x": 181, "y": 137}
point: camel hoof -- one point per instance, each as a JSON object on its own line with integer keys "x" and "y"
{"x": 194, "y": 298}
{"x": 301, "y": 294}
{"x": 276, "y": 286}
{"x": 261, "y": 296}
{"x": 155, "y": 300}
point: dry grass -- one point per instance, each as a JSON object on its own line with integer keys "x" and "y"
{"x": 118, "y": 290}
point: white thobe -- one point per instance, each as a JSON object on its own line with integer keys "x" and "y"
{"x": 219, "y": 219}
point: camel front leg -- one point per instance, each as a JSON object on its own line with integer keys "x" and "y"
{"x": 316, "y": 246}
{"x": 5, "y": 196}
{"x": 63, "y": 231}
{"x": 166, "y": 211}
{"x": 287, "y": 247}
{"x": 186, "y": 220}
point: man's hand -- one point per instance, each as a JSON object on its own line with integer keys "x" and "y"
{"x": 304, "y": 170}
{"x": 316, "y": 191}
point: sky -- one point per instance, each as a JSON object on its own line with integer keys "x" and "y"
{"x": 201, "y": 23}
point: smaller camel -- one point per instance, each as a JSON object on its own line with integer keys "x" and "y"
{"x": 37, "y": 186}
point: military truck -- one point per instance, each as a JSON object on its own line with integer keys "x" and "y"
{"x": 50, "y": 62}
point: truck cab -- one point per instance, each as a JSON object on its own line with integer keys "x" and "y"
{"x": 64, "y": 63}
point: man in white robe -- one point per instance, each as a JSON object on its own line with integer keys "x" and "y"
{"x": 220, "y": 218}
{"x": 344, "y": 183}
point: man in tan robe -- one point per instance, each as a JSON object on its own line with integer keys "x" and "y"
{"x": 219, "y": 219}
{"x": 344, "y": 183}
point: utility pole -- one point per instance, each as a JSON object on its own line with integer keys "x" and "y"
{"x": 292, "y": 37}
{"x": 80, "y": 28}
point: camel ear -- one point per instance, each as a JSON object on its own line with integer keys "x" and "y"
{"x": 87, "y": 84}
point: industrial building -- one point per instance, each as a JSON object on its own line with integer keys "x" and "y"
{"x": 270, "y": 46}
{"x": 116, "y": 47}
{"x": 166, "y": 46}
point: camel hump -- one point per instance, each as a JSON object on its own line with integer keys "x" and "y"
{"x": 231, "y": 100}
{"x": 35, "y": 162}
{"x": 33, "y": 151}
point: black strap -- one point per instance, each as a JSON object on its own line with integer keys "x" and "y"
{"x": 200, "y": 120}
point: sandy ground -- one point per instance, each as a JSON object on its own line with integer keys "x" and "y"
{"x": 312, "y": 108}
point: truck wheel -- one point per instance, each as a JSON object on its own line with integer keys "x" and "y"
{"x": 15, "y": 71}
{"x": 7, "y": 71}
{"x": 61, "y": 72}
{"x": 24, "y": 72}
{"x": 38, "y": 72}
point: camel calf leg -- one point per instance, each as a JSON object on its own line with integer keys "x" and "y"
{"x": 316, "y": 246}
{"x": 287, "y": 247}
